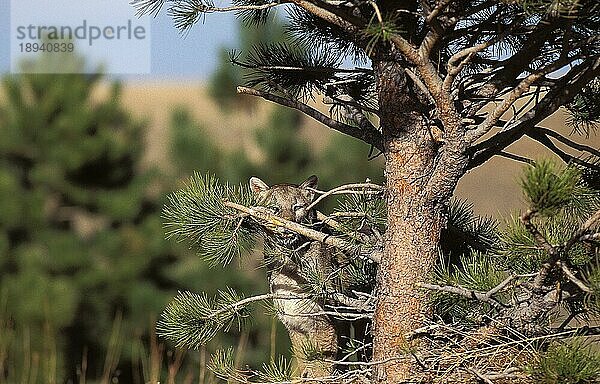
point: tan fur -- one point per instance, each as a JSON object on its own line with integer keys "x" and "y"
{"x": 308, "y": 328}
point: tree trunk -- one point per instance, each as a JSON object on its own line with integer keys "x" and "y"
{"x": 416, "y": 215}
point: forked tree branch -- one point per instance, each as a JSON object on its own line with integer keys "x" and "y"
{"x": 561, "y": 93}
{"x": 571, "y": 276}
{"x": 566, "y": 157}
{"x": 510, "y": 98}
{"x": 569, "y": 142}
{"x": 585, "y": 228}
{"x": 530, "y": 49}
{"x": 361, "y": 188}
{"x": 461, "y": 58}
{"x": 440, "y": 6}
{"x": 538, "y": 237}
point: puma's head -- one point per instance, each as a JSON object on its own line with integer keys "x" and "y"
{"x": 288, "y": 201}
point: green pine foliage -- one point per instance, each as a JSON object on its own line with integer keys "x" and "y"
{"x": 467, "y": 232}
{"x": 548, "y": 189}
{"x": 222, "y": 364}
{"x": 584, "y": 111}
{"x": 279, "y": 370}
{"x": 191, "y": 320}
{"x": 476, "y": 271}
{"x": 592, "y": 278}
{"x": 564, "y": 200}
{"x": 197, "y": 214}
{"x": 566, "y": 363}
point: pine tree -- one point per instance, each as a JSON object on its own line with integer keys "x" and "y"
{"x": 81, "y": 250}
{"x": 453, "y": 84}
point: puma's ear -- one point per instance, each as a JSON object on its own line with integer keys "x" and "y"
{"x": 257, "y": 185}
{"x": 311, "y": 182}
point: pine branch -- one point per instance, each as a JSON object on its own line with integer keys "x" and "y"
{"x": 358, "y": 188}
{"x": 294, "y": 71}
{"x": 374, "y": 255}
{"x": 327, "y": 220}
{"x": 358, "y": 304}
{"x": 583, "y": 230}
{"x": 310, "y": 31}
{"x": 518, "y": 158}
{"x": 331, "y": 15}
{"x": 461, "y": 58}
{"x": 298, "y": 69}
{"x": 439, "y": 7}
{"x": 372, "y": 137}
{"x": 353, "y": 109}
{"x": 467, "y": 232}
{"x": 580, "y": 147}
{"x": 519, "y": 61}
{"x": 585, "y": 109}
{"x": 192, "y": 320}
{"x": 237, "y": 8}
{"x": 581, "y": 331}
{"x": 574, "y": 279}
{"x": 537, "y": 235}
{"x": 196, "y": 214}
{"x": 564, "y": 156}
{"x": 562, "y": 92}
{"x": 234, "y": 307}
{"x": 513, "y": 96}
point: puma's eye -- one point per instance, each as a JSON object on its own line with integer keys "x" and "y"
{"x": 297, "y": 207}
{"x": 276, "y": 210}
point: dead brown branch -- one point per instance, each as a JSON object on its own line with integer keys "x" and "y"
{"x": 265, "y": 216}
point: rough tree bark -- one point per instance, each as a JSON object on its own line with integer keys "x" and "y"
{"x": 416, "y": 212}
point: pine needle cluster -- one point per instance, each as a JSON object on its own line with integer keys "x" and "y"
{"x": 570, "y": 362}
{"x": 191, "y": 320}
{"x": 197, "y": 214}
{"x": 223, "y": 365}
